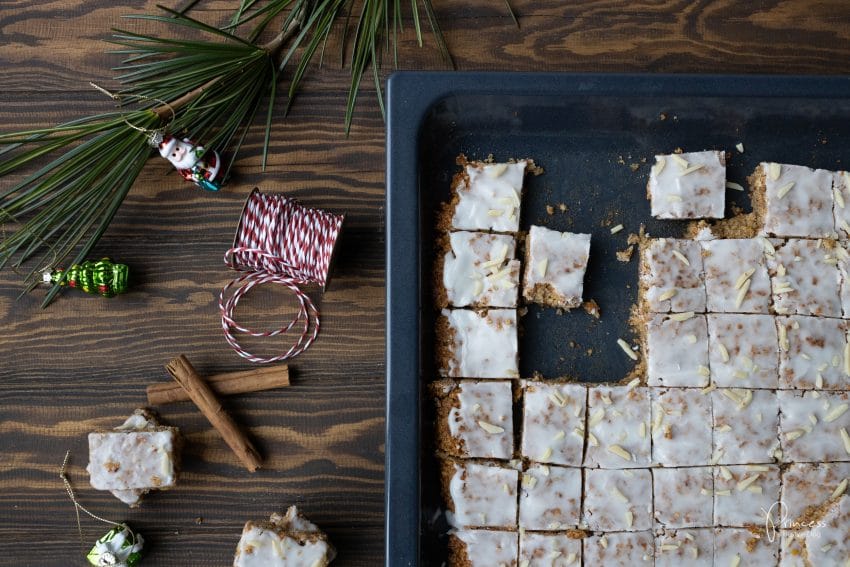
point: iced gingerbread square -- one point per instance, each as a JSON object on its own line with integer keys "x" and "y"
{"x": 671, "y": 276}
{"x": 829, "y": 542}
{"x": 688, "y": 185}
{"x": 808, "y": 487}
{"x": 814, "y": 426}
{"x": 743, "y": 350}
{"x": 676, "y": 347}
{"x": 793, "y": 200}
{"x": 618, "y": 420}
{"x": 483, "y": 548}
{"x": 474, "y": 419}
{"x": 548, "y": 550}
{"x": 478, "y": 270}
{"x": 746, "y": 547}
{"x": 480, "y": 495}
{"x": 805, "y": 278}
{"x": 617, "y": 500}
{"x": 812, "y": 353}
{"x": 555, "y": 263}
{"x": 477, "y": 344}
{"x": 746, "y": 426}
{"x": 625, "y": 549}
{"x": 742, "y": 494}
{"x": 550, "y": 498}
{"x": 553, "y": 422}
{"x": 684, "y": 497}
{"x": 675, "y": 548}
{"x": 736, "y": 276}
{"x": 681, "y": 427}
{"x": 487, "y": 196}
{"x": 284, "y": 541}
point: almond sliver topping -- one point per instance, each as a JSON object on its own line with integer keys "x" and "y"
{"x": 774, "y": 170}
{"x": 680, "y": 161}
{"x": 490, "y": 428}
{"x": 496, "y": 171}
{"x": 620, "y": 452}
{"x": 682, "y": 258}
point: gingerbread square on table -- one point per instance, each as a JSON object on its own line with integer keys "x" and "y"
{"x": 807, "y": 487}
{"x": 812, "y": 353}
{"x": 746, "y": 426}
{"x": 475, "y": 418}
{"x": 793, "y": 200}
{"x": 618, "y": 433}
{"x": 688, "y": 185}
{"x": 544, "y": 550}
{"x": 671, "y": 276}
{"x": 550, "y": 498}
{"x": 743, "y": 493}
{"x": 805, "y": 278}
{"x": 473, "y": 344}
{"x": 618, "y": 500}
{"x": 736, "y": 276}
{"x": 675, "y": 548}
{"x": 483, "y": 548}
{"x": 814, "y": 426}
{"x": 487, "y": 196}
{"x": 479, "y": 270}
{"x": 553, "y": 422}
{"x": 743, "y": 350}
{"x": 624, "y": 548}
{"x": 681, "y": 427}
{"x": 676, "y": 350}
{"x": 684, "y": 497}
{"x": 480, "y": 495}
{"x": 555, "y": 263}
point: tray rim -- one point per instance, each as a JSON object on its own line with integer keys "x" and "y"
{"x": 410, "y": 97}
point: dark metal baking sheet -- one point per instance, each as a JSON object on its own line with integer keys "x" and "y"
{"x": 591, "y": 134}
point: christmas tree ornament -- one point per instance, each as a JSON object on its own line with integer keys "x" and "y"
{"x": 280, "y": 241}
{"x": 193, "y": 162}
{"x": 120, "y": 547}
{"x": 101, "y": 277}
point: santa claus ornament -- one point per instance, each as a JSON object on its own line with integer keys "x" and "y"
{"x": 193, "y": 162}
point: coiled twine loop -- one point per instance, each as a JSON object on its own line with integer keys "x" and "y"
{"x": 279, "y": 241}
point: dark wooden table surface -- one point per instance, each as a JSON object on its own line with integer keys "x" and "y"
{"x": 83, "y": 363}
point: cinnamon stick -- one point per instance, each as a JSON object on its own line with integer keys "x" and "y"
{"x": 226, "y": 383}
{"x": 199, "y": 391}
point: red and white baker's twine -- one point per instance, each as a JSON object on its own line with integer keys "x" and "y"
{"x": 279, "y": 241}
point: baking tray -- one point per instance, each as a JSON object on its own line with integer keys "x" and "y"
{"x": 591, "y": 134}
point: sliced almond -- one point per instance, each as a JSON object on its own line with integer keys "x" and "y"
{"x": 616, "y": 229}
{"x": 660, "y": 162}
{"x": 691, "y": 169}
{"x": 840, "y": 489}
{"x": 495, "y": 212}
{"x": 839, "y": 199}
{"x": 735, "y": 186}
{"x": 774, "y": 170}
{"x": 724, "y": 354}
{"x": 620, "y": 452}
{"x": 782, "y": 191}
{"x": 627, "y": 349}
{"x": 742, "y": 294}
{"x": 541, "y": 267}
{"x": 490, "y": 428}
{"x": 682, "y": 258}
{"x": 835, "y": 413}
{"x": 496, "y": 170}
{"x": 682, "y": 316}
{"x": 680, "y": 161}
{"x": 845, "y": 438}
{"x": 668, "y": 294}
{"x": 743, "y": 484}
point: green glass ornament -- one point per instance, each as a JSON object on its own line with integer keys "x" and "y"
{"x": 119, "y": 547}
{"x": 101, "y": 277}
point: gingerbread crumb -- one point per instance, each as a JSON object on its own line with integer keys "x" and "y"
{"x": 625, "y": 255}
{"x": 592, "y": 308}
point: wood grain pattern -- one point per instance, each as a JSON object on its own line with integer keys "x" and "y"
{"x": 83, "y": 364}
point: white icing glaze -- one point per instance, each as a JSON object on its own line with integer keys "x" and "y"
{"x": 548, "y": 550}
{"x": 126, "y": 459}
{"x": 830, "y": 544}
{"x": 558, "y": 259}
{"x": 625, "y": 549}
{"x": 675, "y": 548}
{"x": 665, "y": 274}
{"x": 751, "y": 549}
{"x": 804, "y": 441}
{"x": 618, "y": 500}
{"x": 485, "y": 346}
{"x": 489, "y": 197}
{"x": 805, "y": 209}
{"x": 792, "y": 553}
{"x": 681, "y": 427}
{"x": 743, "y": 350}
{"x": 676, "y": 193}
{"x": 473, "y": 274}
{"x": 842, "y": 252}
{"x": 737, "y": 506}
{"x": 724, "y": 262}
{"x": 550, "y": 498}
{"x": 553, "y": 422}
{"x": 805, "y": 278}
{"x": 684, "y": 497}
{"x": 841, "y": 205}
{"x": 810, "y": 484}
{"x": 489, "y": 548}
{"x": 490, "y": 403}
{"x": 261, "y": 547}
{"x": 677, "y": 351}
{"x": 618, "y": 424}
{"x": 745, "y": 433}
{"x": 484, "y": 495}
{"x": 813, "y": 343}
